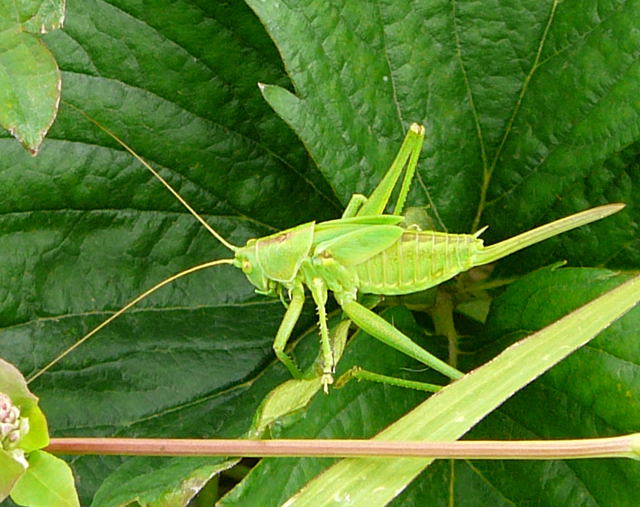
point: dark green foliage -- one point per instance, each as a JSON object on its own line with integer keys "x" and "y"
{"x": 531, "y": 112}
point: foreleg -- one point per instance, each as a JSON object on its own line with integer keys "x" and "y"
{"x": 286, "y": 328}
{"x": 319, "y": 293}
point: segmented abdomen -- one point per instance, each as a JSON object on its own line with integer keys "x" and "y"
{"x": 417, "y": 261}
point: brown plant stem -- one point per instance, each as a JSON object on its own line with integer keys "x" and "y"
{"x": 627, "y": 446}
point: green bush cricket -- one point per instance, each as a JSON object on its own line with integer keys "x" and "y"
{"x": 364, "y": 252}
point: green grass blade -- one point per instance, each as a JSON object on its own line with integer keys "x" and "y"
{"x": 450, "y": 413}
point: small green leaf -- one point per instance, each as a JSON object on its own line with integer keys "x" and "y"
{"x": 159, "y": 482}
{"x": 14, "y": 391}
{"x": 13, "y": 384}
{"x": 10, "y": 471}
{"x": 289, "y": 397}
{"x": 48, "y": 482}
{"x": 30, "y": 81}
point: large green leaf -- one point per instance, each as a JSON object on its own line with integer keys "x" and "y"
{"x": 523, "y": 100}
{"x": 541, "y": 95}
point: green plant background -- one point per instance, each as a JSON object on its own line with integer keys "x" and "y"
{"x": 532, "y": 104}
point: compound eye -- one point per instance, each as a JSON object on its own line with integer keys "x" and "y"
{"x": 246, "y": 266}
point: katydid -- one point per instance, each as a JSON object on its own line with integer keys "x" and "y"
{"x": 364, "y": 252}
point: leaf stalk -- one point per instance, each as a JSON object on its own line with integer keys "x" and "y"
{"x": 626, "y": 446}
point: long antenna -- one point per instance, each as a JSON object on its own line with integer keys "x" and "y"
{"x": 157, "y": 175}
{"x": 125, "y": 308}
